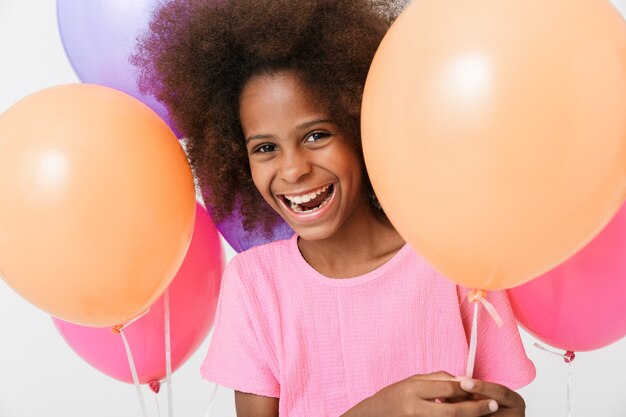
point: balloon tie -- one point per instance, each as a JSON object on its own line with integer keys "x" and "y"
{"x": 168, "y": 354}
{"x": 117, "y": 329}
{"x": 133, "y": 370}
{"x": 209, "y": 410}
{"x": 155, "y": 386}
{"x": 568, "y": 357}
{"x": 476, "y": 296}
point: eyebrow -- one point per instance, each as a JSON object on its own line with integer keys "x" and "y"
{"x": 312, "y": 122}
{"x": 304, "y": 125}
{"x": 257, "y": 137}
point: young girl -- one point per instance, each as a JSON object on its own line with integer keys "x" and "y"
{"x": 344, "y": 318}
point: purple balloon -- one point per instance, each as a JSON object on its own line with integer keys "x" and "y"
{"x": 99, "y": 37}
{"x": 232, "y": 230}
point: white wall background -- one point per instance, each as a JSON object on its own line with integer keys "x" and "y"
{"x": 41, "y": 376}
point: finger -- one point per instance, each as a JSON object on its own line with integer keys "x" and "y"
{"x": 442, "y": 390}
{"x": 437, "y": 376}
{"x": 465, "y": 408}
{"x": 503, "y": 395}
{"x": 472, "y": 397}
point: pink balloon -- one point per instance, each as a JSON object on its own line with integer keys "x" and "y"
{"x": 581, "y": 304}
{"x": 193, "y": 298}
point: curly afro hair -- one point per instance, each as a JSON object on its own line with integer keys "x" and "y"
{"x": 198, "y": 55}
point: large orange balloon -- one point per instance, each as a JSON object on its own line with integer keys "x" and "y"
{"x": 97, "y": 203}
{"x": 494, "y": 132}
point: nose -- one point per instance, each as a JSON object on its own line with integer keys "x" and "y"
{"x": 294, "y": 166}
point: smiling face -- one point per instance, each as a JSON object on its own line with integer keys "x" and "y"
{"x": 303, "y": 165}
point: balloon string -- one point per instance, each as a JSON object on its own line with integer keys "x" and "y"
{"x": 471, "y": 356}
{"x": 133, "y": 370}
{"x": 476, "y": 296}
{"x": 168, "y": 355}
{"x": 492, "y": 311}
{"x": 568, "y": 357}
{"x": 568, "y": 405}
{"x": 209, "y": 410}
{"x": 118, "y": 329}
{"x": 156, "y": 400}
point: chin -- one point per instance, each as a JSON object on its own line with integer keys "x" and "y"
{"x": 313, "y": 233}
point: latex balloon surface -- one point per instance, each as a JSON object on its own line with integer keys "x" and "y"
{"x": 99, "y": 36}
{"x": 193, "y": 298}
{"x": 579, "y": 305}
{"x": 494, "y": 132}
{"x": 97, "y": 203}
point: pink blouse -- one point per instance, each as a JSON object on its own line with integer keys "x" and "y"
{"x": 322, "y": 345}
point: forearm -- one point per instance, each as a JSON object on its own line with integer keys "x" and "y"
{"x": 251, "y": 405}
{"x": 362, "y": 409}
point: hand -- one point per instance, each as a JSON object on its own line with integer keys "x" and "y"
{"x": 432, "y": 395}
{"x": 510, "y": 403}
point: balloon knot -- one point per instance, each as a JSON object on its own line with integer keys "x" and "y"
{"x": 569, "y": 356}
{"x": 155, "y": 386}
{"x": 117, "y": 329}
{"x": 476, "y": 295}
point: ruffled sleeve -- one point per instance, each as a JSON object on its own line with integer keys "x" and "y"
{"x": 238, "y": 355}
{"x": 500, "y": 355}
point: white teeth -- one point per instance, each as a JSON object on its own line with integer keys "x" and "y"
{"x": 305, "y": 198}
{"x": 295, "y": 206}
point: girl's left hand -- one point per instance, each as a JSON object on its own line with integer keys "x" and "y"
{"x": 510, "y": 403}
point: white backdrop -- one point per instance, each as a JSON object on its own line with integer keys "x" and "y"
{"x": 41, "y": 376}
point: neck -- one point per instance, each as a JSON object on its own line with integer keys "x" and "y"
{"x": 364, "y": 242}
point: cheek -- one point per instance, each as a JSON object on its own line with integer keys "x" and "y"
{"x": 261, "y": 180}
{"x": 351, "y": 166}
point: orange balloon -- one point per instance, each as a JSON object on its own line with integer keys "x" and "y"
{"x": 494, "y": 132}
{"x": 97, "y": 203}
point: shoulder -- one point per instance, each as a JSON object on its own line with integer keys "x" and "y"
{"x": 258, "y": 270}
{"x": 266, "y": 258}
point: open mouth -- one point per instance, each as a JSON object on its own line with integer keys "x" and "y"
{"x": 310, "y": 203}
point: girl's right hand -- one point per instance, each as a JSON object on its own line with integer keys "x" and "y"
{"x": 433, "y": 395}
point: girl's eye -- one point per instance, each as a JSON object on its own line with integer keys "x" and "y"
{"x": 265, "y": 148}
{"x": 315, "y": 136}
